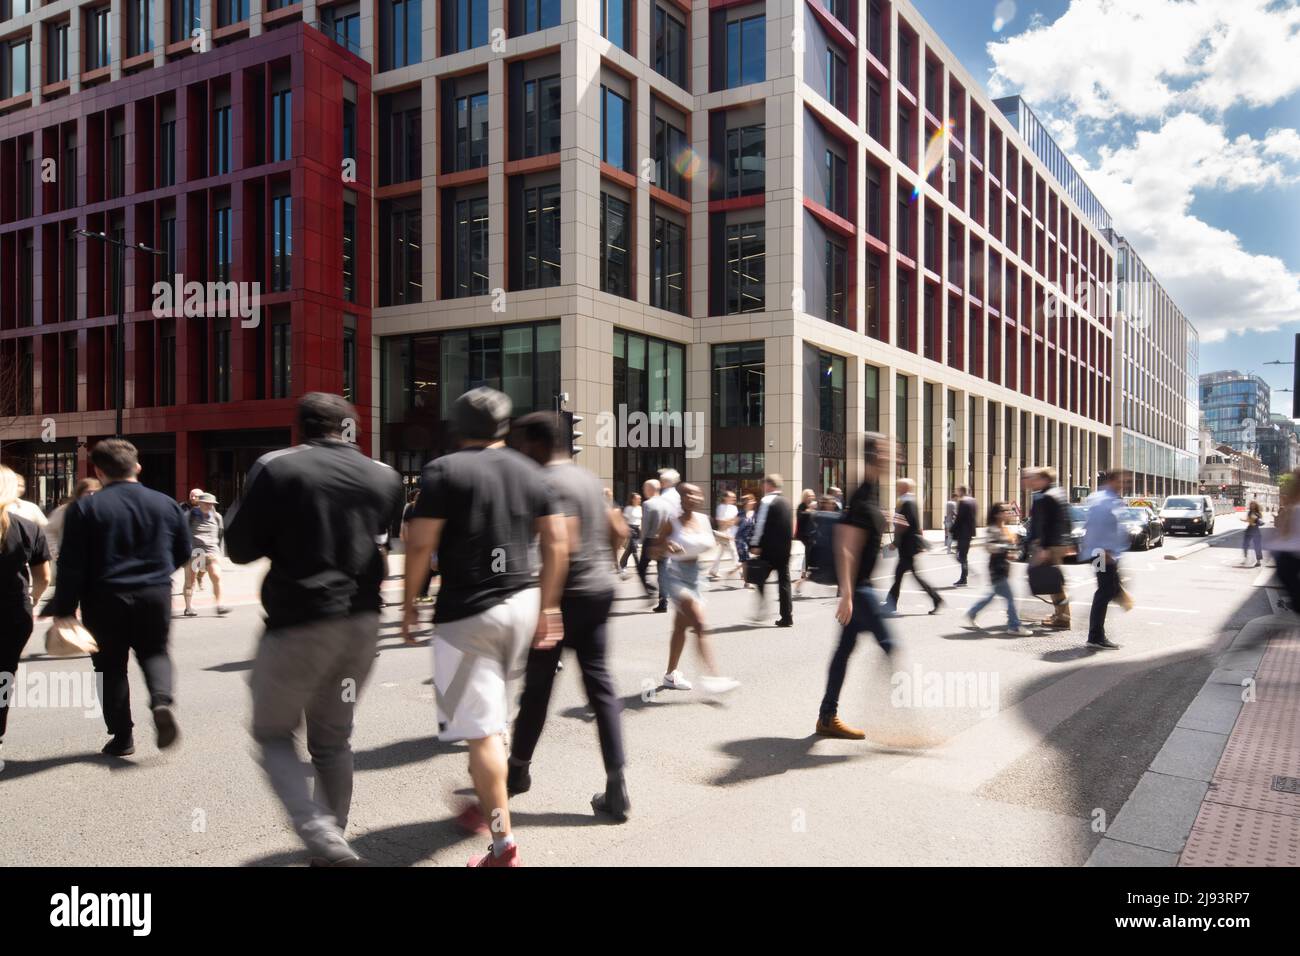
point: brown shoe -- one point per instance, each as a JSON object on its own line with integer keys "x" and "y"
{"x": 1060, "y": 623}
{"x": 839, "y": 729}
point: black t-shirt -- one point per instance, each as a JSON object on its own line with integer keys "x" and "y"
{"x": 864, "y": 512}
{"x": 490, "y": 499}
{"x": 578, "y": 493}
{"x": 22, "y": 549}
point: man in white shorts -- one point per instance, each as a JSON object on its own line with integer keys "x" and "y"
{"x": 207, "y": 531}
{"x": 480, "y": 508}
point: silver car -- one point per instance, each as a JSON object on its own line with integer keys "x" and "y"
{"x": 1190, "y": 514}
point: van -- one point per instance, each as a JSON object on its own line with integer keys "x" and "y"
{"x": 1193, "y": 514}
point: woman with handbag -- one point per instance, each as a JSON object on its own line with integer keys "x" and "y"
{"x": 24, "y": 575}
{"x": 681, "y": 541}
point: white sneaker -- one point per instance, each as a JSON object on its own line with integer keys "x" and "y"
{"x": 718, "y": 685}
{"x": 675, "y": 681}
{"x": 1020, "y": 632}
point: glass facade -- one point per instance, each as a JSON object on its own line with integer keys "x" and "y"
{"x": 650, "y": 379}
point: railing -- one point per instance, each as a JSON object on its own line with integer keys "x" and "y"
{"x": 338, "y": 37}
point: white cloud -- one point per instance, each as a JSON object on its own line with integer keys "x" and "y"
{"x": 1149, "y": 188}
{"x": 1145, "y": 58}
{"x": 1152, "y": 80}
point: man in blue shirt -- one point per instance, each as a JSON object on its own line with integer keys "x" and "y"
{"x": 1104, "y": 540}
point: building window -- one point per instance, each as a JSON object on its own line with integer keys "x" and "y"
{"x": 875, "y": 200}
{"x": 471, "y": 132}
{"x": 875, "y": 311}
{"x": 465, "y": 25}
{"x": 282, "y": 359}
{"x": 349, "y": 357}
{"x": 669, "y": 146}
{"x": 746, "y": 281}
{"x": 905, "y": 136}
{"x": 614, "y": 246}
{"x": 399, "y": 138}
{"x": 746, "y": 51}
{"x": 349, "y": 246}
{"x": 343, "y": 22}
{"x": 614, "y": 22}
{"x": 231, "y": 11}
{"x": 221, "y": 140}
{"x": 875, "y": 113}
{"x": 837, "y": 282}
{"x": 745, "y": 161}
{"x": 649, "y": 378}
{"x": 221, "y": 362}
{"x": 281, "y": 243}
{"x": 281, "y": 125}
{"x": 400, "y": 30}
{"x": 529, "y": 16}
{"x": 614, "y": 112}
{"x": 471, "y": 247}
{"x": 167, "y": 153}
{"x": 117, "y": 160}
{"x": 904, "y": 243}
{"x": 668, "y": 266}
{"x": 185, "y": 19}
{"x": 670, "y": 46}
{"x": 56, "y": 53}
{"x": 400, "y": 267}
{"x": 871, "y": 398}
{"x": 15, "y": 70}
{"x": 837, "y": 183}
{"x": 837, "y": 81}
{"x": 541, "y": 237}
{"x": 97, "y": 38}
{"x": 224, "y": 251}
{"x": 542, "y": 116}
{"x": 167, "y": 243}
{"x": 738, "y": 385}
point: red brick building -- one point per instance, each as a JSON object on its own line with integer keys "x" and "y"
{"x": 231, "y": 163}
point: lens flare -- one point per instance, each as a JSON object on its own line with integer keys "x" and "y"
{"x": 688, "y": 163}
{"x": 1003, "y": 14}
{"x": 935, "y": 152}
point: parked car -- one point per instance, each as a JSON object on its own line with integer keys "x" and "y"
{"x": 1078, "y": 515}
{"x": 1144, "y": 527}
{"x": 1192, "y": 514}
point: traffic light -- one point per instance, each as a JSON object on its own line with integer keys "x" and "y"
{"x": 571, "y": 423}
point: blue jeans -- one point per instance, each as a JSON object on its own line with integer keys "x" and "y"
{"x": 866, "y": 617}
{"x": 1252, "y": 535}
{"x": 1000, "y": 589}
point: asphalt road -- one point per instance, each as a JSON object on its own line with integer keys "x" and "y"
{"x": 1019, "y": 747}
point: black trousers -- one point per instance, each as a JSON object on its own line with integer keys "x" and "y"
{"x": 585, "y": 632}
{"x": 633, "y": 536}
{"x": 642, "y": 563}
{"x": 783, "y": 595}
{"x": 963, "y": 556}
{"x": 1107, "y": 591}
{"x": 906, "y": 563}
{"x": 128, "y": 621}
{"x": 866, "y": 617}
{"x": 1288, "y": 572}
{"x": 15, "y": 629}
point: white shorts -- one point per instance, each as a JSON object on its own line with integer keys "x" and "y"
{"x": 474, "y": 661}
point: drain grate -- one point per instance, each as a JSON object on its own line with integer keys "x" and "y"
{"x": 1286, "y": 784}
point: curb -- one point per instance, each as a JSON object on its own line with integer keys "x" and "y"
{"x": 1193, "y": 549}
{"x": 1152, "y": 827}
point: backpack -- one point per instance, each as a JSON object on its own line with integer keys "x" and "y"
{"x": 820, "y": 549}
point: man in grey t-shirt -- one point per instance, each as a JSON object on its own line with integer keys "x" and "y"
{"x": 594, "y": 531}
{"x": 207, "y": 531}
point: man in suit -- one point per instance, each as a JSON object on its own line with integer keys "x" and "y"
{"x": 963, "y": 531}
{"x": 909, "y": 541}
{"x": 773, "y": 531}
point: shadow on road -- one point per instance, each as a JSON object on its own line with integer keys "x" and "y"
{"x": 25, "y": 768}
{"x": 403, "y": 752}
{"x": 759, "y": 757}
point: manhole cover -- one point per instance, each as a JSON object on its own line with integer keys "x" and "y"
{"x": 1287, "y": 784}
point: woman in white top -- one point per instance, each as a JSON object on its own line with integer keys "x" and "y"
{"x": 683, "y": 539}
{"x": 726, "y": 517}
{"x": 632, "y": 518}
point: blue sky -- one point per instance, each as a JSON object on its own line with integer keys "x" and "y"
{"x": 1182, "y": 114}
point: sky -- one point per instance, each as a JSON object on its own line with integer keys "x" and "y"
{"x": 1184, "y": 118}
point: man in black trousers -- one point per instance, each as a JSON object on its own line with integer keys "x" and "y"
{"x": 593, "y": 534}
{"x": 910, "y": 542}
{"x": 120, "y": 548}
{"x": 963, "y": 531}
{"x": 773, "y": 532}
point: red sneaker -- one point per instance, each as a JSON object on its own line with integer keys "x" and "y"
{"x": 509, "y": 858}
{"x": 471, "y": 820}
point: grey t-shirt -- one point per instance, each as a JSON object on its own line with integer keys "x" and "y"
{"x": 578, "y": 493}
{"x": 207, "y": 530}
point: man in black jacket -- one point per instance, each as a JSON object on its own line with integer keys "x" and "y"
{"x": 1049, "y": 533}
{"x": 120, "y": 548}
{"x": 963, "y": 530}
{"x": 909, "y": 541}
{"x": 317, "y": 511}
{"x": 773, "y": 530}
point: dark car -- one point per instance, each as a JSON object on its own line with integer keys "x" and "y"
{"x": 1190, "y": 514}
{"x": 1145, "y": 529}
{"x": 1078, "y": 515}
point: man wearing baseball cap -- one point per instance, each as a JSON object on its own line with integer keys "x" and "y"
{"x": 480, "y": 508}
{"x": 207, "y": 531}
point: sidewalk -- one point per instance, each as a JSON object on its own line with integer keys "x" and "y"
{"x": 1225, "y": 788}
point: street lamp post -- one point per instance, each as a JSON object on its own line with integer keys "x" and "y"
{"x": 119, "y": 343}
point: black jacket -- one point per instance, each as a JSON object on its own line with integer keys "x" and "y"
{"x": 908, "y": 540}
{"x": 126, "y": 537}
{"x": 964, "y": 525}
{"x": 1049, "y": 519}
{"x": 777, "y": 528}
{"x": 316, "y": 511}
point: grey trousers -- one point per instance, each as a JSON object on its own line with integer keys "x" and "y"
{"x": 317, "y": 670}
